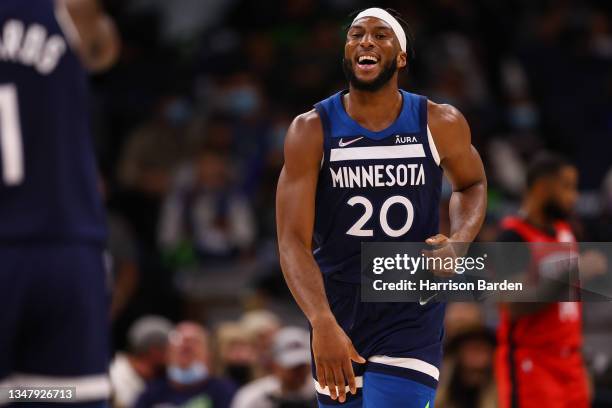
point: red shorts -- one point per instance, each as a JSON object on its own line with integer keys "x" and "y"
{"x": 530, "y": 378}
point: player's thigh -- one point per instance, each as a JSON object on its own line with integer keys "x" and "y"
{"x": 12, "y": 299}
{"x": 342, "y": 300}
{"x": 352, "y": 400}
{"x": 65, "y": 327}
{"x": 66, "y": 323}
{"x": 389, "y": 391}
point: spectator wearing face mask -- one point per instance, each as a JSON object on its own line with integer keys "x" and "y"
{"x": 290, "y": 384}
{"x": 237, "y": 354}
{"x": 144, "y": 361}
{"x": 188, "y": 381}
{"x": 468, "y": 380}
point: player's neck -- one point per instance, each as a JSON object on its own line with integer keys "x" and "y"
{"x": 374, "y": 110}
{"x": 535, "y": 215}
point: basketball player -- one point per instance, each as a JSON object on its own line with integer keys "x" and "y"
{"x": 538, "y": 362}
{"x": 366, "y": 165}
{"x": 54, "y": 306}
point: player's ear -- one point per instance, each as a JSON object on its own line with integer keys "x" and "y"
{"x": 402, "y": 59}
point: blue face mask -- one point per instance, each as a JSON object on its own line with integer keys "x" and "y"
{"x": 523, "y": 117}
{"x": 242, "y": 101}
{"x": 178, "y": 112}
{"x": 192, "y": 374}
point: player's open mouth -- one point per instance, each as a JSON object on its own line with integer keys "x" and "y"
{"x": 367, "y": 62}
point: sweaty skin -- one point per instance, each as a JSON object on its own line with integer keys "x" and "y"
{"x": 295, "y": 199}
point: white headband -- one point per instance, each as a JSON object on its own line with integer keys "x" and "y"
{"x": 387, "y": 18}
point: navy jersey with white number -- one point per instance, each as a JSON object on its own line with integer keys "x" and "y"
{"x": 373, "y": 186}
{"x": 48, "y": 180}
{"x": 379, "y": 187}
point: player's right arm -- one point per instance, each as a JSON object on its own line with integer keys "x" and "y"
{"x": 295, "y": 212}
{"x": 99, "y": 42}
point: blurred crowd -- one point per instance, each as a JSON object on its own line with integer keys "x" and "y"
{"x": 189, "y": 131}
{"x": 258, "y": 362}
{"x": 250, "y": 363}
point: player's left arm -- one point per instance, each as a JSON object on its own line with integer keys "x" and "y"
{"x": 463, "y": 168}
{"x": 98, "y": 36}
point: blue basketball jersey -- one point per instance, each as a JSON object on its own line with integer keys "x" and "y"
{"x": 48, "y": 179}
{"x": 373, "y": 186}
{"x": 380, "y": 187}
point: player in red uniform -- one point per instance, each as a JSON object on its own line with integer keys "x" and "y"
{"x": 539, "y": 362}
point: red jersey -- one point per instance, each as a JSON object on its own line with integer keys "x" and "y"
{"x": 559, "y": 325}
{"x": 538, "y": 361}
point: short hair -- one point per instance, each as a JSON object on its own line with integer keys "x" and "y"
{"x": 147, "y": 332}
{"x": 545, "y": 164}
{"x": 407, "y": 29}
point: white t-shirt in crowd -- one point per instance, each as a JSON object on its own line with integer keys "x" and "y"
{"x": 126, "y": 384}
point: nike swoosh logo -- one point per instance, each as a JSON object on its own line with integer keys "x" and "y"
{"x": 344, "y": 144}
{"x": 423, "y": 302}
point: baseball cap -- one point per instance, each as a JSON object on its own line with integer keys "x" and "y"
{"x": 291, "y": 347}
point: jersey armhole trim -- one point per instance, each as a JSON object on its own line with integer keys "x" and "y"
{"x": 432, "y": 147}
{"x": 326, "y": 131}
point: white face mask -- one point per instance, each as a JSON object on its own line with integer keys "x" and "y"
{"x": 194, "y": 373}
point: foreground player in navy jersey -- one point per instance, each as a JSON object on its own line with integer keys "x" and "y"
{"x": 53, "y": 289}
{"x": 366, "y": 165}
